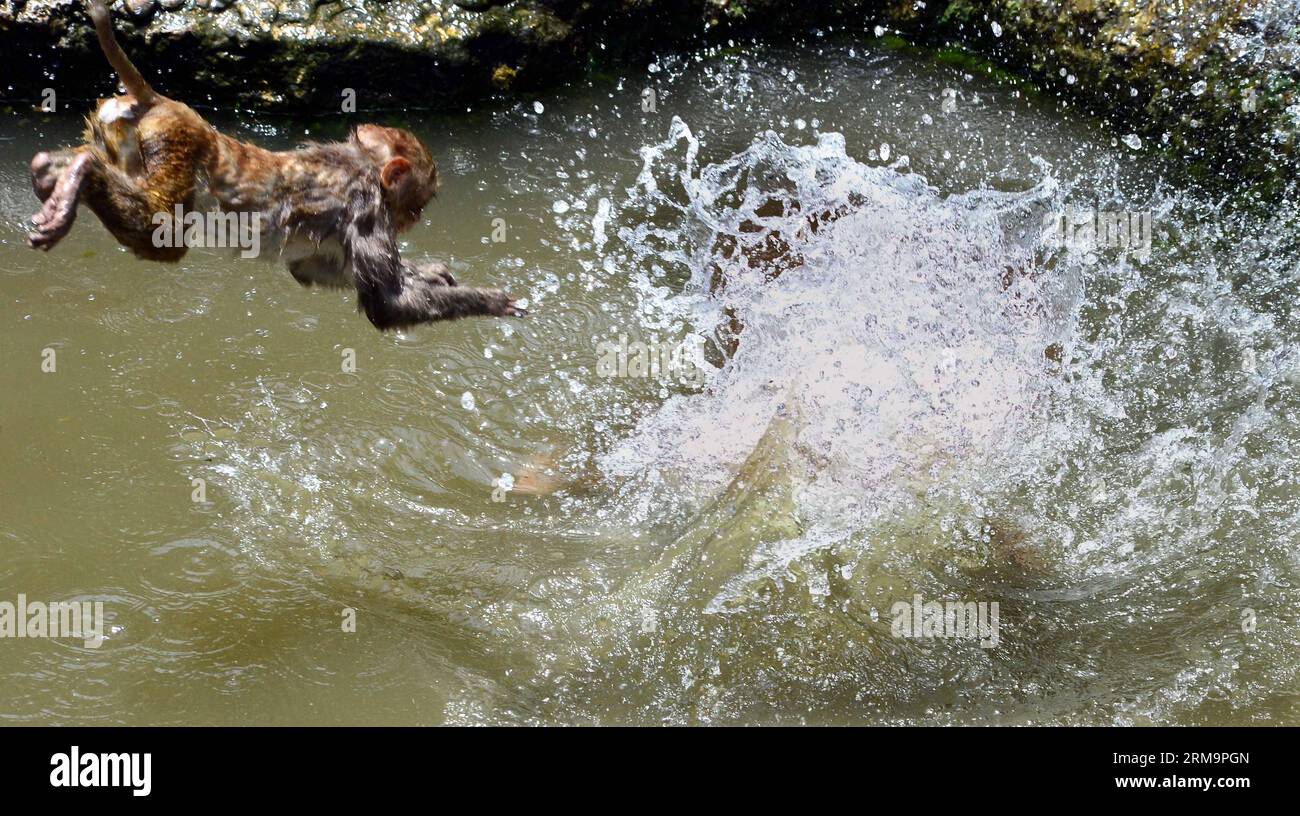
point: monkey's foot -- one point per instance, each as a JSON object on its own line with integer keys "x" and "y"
{"x": 60, "y": 208}
{"x": 47, "y": 168}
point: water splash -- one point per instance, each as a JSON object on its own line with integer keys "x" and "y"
{"x": 905, "y": 328}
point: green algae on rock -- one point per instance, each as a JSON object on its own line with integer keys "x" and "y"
{"x": 1212, "y": 82}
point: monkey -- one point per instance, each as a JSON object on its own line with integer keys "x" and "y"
{"x": 333, "y": 209}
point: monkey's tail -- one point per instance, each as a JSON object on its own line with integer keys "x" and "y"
{"x": 128, "y": 73}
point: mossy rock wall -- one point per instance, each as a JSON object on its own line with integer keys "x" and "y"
{"x": 1214, "y": 81}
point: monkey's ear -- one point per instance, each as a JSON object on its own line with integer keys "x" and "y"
{"x": 394, "y": 171}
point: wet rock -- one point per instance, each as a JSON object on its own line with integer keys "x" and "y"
{"x": 141, "y": 8}
{"x": 1132, "y": 63}
{"x": 1140, "y": 67}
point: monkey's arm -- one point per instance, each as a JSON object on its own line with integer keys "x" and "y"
{"x": 395, "y": 294}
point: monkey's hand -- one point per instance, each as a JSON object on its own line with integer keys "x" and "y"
{"x": 430, "y": 271}
{"x": 427, "y": 277}
{"x": 395, "y": 293}
{"x": 463, "y": 301}
{"x": 420, "y": 293}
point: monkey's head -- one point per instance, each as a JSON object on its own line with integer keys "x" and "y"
{"x": 406, "y": 170}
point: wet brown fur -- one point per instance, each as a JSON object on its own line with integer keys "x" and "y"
{"x": 145, "y": 154}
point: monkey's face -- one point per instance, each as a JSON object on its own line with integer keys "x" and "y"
{"x": 408, "y": 188}
{"x": 407, "y": 171}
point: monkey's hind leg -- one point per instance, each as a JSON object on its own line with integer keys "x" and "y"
{"x": 125, "y": 205}
{"x": 48, "y": 168}
{"x": 60, "y": 208}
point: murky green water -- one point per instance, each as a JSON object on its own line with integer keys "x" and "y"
{"x": 926, "y": 401}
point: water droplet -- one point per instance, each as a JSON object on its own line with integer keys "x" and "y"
{"x": 560, "y": 207}
{"x": 884, "y": 152}
{"x": 467, "y": 401}
{"x": 997, "y": 29}
{"x": 538, "y": 107}
{"x": 1199, "y": 87}
{"x": 1133, "y": 141}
